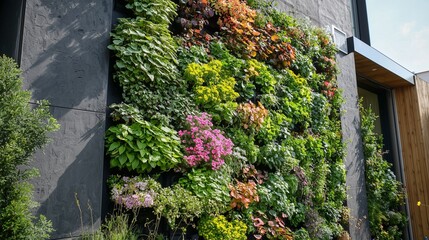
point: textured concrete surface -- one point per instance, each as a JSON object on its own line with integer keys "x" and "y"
{"x": 65, "y": 60}
{"x": 64, "y": 52}
{"x": 71, "y": 166}
{"x": 355, "y": 164}
{"x": 326, "y": 13}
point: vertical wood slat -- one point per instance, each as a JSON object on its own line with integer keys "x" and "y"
{"x": 422, "y": 88}
{"x": 413, "y": 117}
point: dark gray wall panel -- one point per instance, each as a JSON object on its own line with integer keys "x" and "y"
{"x": 72, "y": 163}
{"x": 64, "y": 55}
{"x": 65, "y": 60}
{"x": 355, "y": 163}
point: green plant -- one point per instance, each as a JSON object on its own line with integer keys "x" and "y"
{"x": 142, "y": 146}
{"x": 161, "y": 11}
{"x": 245, "y": 142}
{"x": 276, "y": 156}
{"x": 178, "y": 205}
{"x": 145, "y": 52}
{"x": 211, "y": 85}
{"x": 274, "y": 195}
{"x": 211, "y": 187}
{"x": 295, "y": 99}
{"x": 275, "y": 128}
{"x": 218, "y": 228}
{"x": 385, "y": 193}
{"x": 116, "y": 227}
{"x": 193, "y": 54}
{"x": 301, "y": 234}
{"x": 213, "y": 89}
{"x": 260, "y": 75}
{"x": 146, "y": 69}
{"x": 23, "y": 130}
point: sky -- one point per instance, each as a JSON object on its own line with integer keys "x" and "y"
{"x": 400, "y": 30}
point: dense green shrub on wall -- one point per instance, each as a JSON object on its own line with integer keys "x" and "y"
{"x": 385, "y": 193}
{"x": 267, "y": 151}
{"x": 23, "y": 130}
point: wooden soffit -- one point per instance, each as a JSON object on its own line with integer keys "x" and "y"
{"x": 375, "y": 66}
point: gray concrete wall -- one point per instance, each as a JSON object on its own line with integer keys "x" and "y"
{"x": 65, "y": 60}
{"x": 326, "y": 13}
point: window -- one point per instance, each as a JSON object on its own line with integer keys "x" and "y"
{"x": 360, "y": 21}
{"x": 381, "y": 102}
{"x": 11, "y": 21}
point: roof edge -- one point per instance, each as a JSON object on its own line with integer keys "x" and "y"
{"x": 356, "y": 45}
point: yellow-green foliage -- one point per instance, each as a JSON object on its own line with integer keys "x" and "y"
{"x": 211, "y": 85}
{"x": 297, "y": 100}
{"x": 258, "y": 73}
{"x": 218, "y": 228}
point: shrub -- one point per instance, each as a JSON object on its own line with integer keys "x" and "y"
{"x": 211, "y": 187}
{"x": 178, "y": 206}
{"x": 23, "y": 130}
{"x": 218, "y": 228}
{"x": 161, "y": 11}
{"x": 142, "y": 146}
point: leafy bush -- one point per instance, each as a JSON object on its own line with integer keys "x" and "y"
{"x": 211, "y": 187}
{"x": 218, "y": 228}
{"x": 276, "y": 156}
{"x": 161, "y": 11}
{"x": 214, "y": 90}
{"x": 177, "y": 205}
{"x": 23, "y": 130}
{"x": 146, "y": 69}
{"x": 142, "y": 146}
{"x": 146, "y": 53}
{"x": 274, "y": 195}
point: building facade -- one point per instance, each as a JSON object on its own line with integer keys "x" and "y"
{"x": 61, "y": 47}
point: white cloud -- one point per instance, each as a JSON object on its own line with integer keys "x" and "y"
{"x": 419, "y": 45}
{"x": 407, "y": 28}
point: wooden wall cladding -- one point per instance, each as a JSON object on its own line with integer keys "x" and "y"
{"x": 413, "y": 117}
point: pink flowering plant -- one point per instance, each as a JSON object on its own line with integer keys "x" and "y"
{"x": 204, "y": 145}
{"x": 133, "y": 193}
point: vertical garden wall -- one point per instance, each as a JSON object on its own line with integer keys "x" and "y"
{"x": 230, "y": 122}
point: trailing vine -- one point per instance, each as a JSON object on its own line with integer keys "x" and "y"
{"x": 385, "y": 194}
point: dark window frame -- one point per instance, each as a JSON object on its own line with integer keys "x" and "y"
{"x": 12, "y": 14}
{"x": 360, "y": 21}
